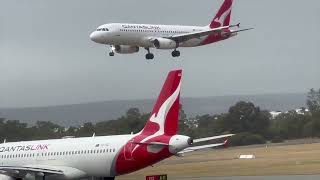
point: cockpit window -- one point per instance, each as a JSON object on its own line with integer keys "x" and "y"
{"x": 102, "y": 29}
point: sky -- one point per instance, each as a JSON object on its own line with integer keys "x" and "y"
{"x": 47, "y": 58}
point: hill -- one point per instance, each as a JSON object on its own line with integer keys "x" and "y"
{"x": 77, "y": 114}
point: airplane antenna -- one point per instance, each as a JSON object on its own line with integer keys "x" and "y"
{"x": 4, "y": 141}
{"x": 94, "y": 134}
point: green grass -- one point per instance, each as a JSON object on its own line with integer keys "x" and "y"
{"x": 274, "y": 160}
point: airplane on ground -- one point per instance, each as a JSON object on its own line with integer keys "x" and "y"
{"x": 104, "y": 157}
{"x": 125, "y": 38}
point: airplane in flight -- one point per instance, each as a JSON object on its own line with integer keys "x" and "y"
{"x": 105, "y": 157}
{"x": 125, "y": 38}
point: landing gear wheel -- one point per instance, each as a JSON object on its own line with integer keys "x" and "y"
{"x": 149, "y": 56}
{"x": 175, "y": 53}
{"x": 111, "y": 53}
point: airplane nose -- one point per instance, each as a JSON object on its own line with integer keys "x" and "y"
{"x": 94, "y": 37}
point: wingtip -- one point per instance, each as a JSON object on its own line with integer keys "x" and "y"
{"x": 226, "y": 143}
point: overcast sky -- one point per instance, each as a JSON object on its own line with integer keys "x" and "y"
{"x": 47, "y": 58}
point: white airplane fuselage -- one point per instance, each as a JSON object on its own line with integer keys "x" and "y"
{"x": 94, "y": 156}
{"x": 140, "y": 34}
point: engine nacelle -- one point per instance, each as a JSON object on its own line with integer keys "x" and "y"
{"x": 125, "y": 49}
{"x": 5, "y": 177}
{"x": 179, "y": 142}
{"x": 163, "y": 43}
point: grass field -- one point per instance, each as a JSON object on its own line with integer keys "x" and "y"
{"x": 273, "y": 160}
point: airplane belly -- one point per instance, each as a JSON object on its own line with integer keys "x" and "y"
{"x": 97, "y": 166}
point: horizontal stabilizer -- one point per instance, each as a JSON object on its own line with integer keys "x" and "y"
{"x": 212, "y": 138}
{"x": 236, "y": 31}
{"x": 196, "y": 148}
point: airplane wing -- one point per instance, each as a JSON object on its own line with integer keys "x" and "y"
{"x": 41, "y": 170}
{"x": 196, "y": 148}
{"x": 197, "y": 34}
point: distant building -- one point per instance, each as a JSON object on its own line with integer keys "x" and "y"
{"x": 274, "y": 114}
{"x": 301, "y": 111}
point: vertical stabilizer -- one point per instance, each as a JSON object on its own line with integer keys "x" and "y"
{"x": 164, "y": 116}
{"x": 222, "y": 18}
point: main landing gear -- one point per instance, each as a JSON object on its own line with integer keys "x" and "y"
{"x": 149, "y": 55}
{"x": 175, "y": 53}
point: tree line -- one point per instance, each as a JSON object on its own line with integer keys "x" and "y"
{"x": 251, "y": 124}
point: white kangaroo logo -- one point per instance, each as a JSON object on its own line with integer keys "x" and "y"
{"x": 223, "y": 16}
{"x": 161, "y": 115}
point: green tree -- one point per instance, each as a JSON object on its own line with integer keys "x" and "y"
{"x": 246, "y": 138}
{"x": 313, "y": 100}
{"x": 182, "y": 122}
{"x": 245, "y": 117}
{"x": 133, "y": 113}
{"x": 86, "y": 130}
{"x": 291, "y": 125}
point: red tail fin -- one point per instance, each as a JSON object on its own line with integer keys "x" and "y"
{"x": 164, "y": 117}
{"x": 222, "y": 18}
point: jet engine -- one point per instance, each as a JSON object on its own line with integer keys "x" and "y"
{"x": 179, "y": 142}
{"x": 5, "y": 177}
{"x": 125, "y": 49}
{"x": 164, "y": 43}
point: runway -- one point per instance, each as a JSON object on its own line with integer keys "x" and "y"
{"x": 291, "y": 177}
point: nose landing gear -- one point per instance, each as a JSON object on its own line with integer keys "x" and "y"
{"x": 111, "y": 53}
{"x": 149, "y": 55}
